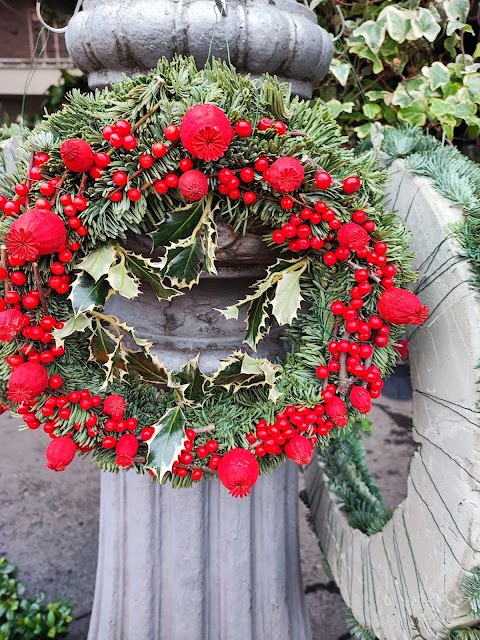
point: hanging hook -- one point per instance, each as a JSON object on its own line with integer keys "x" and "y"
{"x": 342, "y": 28}
{"x": 47, "y": 26}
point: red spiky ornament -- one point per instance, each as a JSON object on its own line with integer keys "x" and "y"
{"x": 238, "y": 471}
{"x": 77, "y": 155}
{"x": 193, "y": 185}
{"x": 206, "y": 132}
{"x": 360, "y": 398}
{"x": 299, "y": 449}
{"x": 27, "y": 382}
{"x": 127, "y": 448}
{"x": 60, "y": 453}
{"x": 114, "y": 406}
{"x": 286, "y": 174}
{"x": 400, "y": 306}
{"x": 336, "y": 409}
{"x": 38, "y": 232}
{"x": 353, "y": 236}
{"x": 11, "y": 323}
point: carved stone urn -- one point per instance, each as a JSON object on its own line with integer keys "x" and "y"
{"x": 110, "y": 38}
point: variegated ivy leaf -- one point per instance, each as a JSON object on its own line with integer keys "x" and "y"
{"x": 87, "y": 294}
{"x": 149, "y": 271}
{"x": 241, "y": 371}
{"x": 74, "y": 324}
{"x": 121, "y": 281}
{"x": 288, "y": 297}
{"x": 106, "y": 348}
{"x": 340, "y": 70}
{"x": 166, "y": 443}
{"x": 98, "y": 262}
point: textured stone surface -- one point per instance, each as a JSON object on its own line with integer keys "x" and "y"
{"x": 110, "y": 38}
{"x": 415, "y": 566}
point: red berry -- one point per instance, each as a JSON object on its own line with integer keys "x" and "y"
{"x": 185, "y": 164}
{"x": 65, "y": 256}
{"x": 191, "y": 435}
{"x": 249, "y": 197}
{"x": 329, "y": 258}
{"x": 116, "y": 140}
{"x": 243, "y": 129}
{"x": 323, "y": 180}
{"x": 197, "y": 475}
{"x": 55, "y": 382}
{"x": 146, "y": 161}
{"x": 322, "y": 372}
{"x": 109, "y": 442}
{"x": 107, "y": 132}
{"x": 146, "y": 433}
{"x": 264, "y": 124}
{"x": 129, "y": 143}
{"x": 102, "y": 160}
{"x": 172, "y": 133}
{"x": 280, "y": 127}
{"x": 134, "y": 195}
{"x": 286, "y": 202}
{"x": 159, "y": 150}
{"x": 261, "y": 164}
{"x": 278, "y": 236}
{"x": 247, "y": 174}
{"x": 161, "y": 186}
{"x": 351, "y": 184}
{"x": 172, "y": 180}
{"x": 122, "y": 127}
{"x": 47, "y": 189}
{"x": 120, "y": 178}
{"x": 18, "y": 278}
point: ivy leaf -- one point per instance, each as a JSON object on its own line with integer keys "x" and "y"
{"x": 149, "y": 271}
{"x": 184, "y": 264}
{"x": 180, "y": 224}
{"x": 424, "y": 25}
{"x": 398, "y": 22}
{"x": 166, "y": 443}
{"x": 121, "y": 280}
{"x": 87, "y": 294}
{"x": 336, "y": 107}
{"x": 415, "y": 113}
{"x": 371, "y": 110}
{"x": 75, "y": 323}
{"x": 340, "y": 70}
{"x": 99, "y": 261}
{"x": 288, "y": 297}
{"x": 373, "y": 33}
{"x": 457, "y": 9}
{"x": 438, "y": 75}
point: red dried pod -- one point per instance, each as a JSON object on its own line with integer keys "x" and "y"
{"x": 127, "y": 448}
{"x": 77, "y": 155}
{"x": 206, "y": 132}
{"x": 11, "y": 323}
{"x": 114, "y": 405}
{"x": 299, "y": 449}
{"x": 238, "y": 471}
{"x": 360, "y": 398}
{"x": 353, "y": 236}
{"x": 286, "y": 174}
{"x": 400, "y": 306}
{"x": 60, "y": 453}
{"x": 193, "y": 185}
{"x": 38, "y": 232}
{"x": 336, "y": 409}
{"x": 27, "y": 382}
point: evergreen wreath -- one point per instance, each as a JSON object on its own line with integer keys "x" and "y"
{"x": 169, "y": 155}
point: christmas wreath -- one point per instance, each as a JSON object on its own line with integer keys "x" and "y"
{"x": 169, "y": 155}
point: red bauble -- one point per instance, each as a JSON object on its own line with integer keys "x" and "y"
{"x": 336, "y": 409}
{"x": 299, "y": 449}
{"x": 127, "y": 448}
{"x": 400, "y": 306}
{"x": 360, "y": 398}
{"x": 60, "y": 453}
{"x": 206, "y": 132}
{"x": 353, "y": 236}
{"x": 11, "y": 323}
{"x": 238, "y": 471}
{"x": 37, "y": 232}
{"x": 77, "y": 155}
{"x": 114, "y": 405}
{"x": 193, "y": 185}
{"x": 27, "y": 382}
{"x": 286, "y": 174}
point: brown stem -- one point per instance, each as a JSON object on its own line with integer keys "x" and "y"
{"x": 83, "y": 184}
{"x": 206, "y": 429}
{"x": 344, "y": 383}
{"x": 58, "y": 187}
{"x": 4, "y": 261}
{"x": 29, "y": 180}
{"x": 193, "y": 467}
{"x": 146, "y": 116}
{"x": 357, "y": 267}
{"x": 38, "y": 282}
{"x": 367, "y": 364}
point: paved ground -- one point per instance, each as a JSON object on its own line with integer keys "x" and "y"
{"x": 48, "y": 523}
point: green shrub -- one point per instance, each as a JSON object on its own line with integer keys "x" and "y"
{"x": 24, "y": 618}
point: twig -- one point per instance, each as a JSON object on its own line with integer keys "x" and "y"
{"x": 58, "y": 187}
{"x": 344, "y": 383}
{"x": 38, "y": 282}
{"x": 357, "y": 267}
{"x": 29, "y": 179}
{"x": 367, "y": 364}
{"x": 83, "y": 184}
{"x": 4, "y": 261}
{"x": 193, "y": 467}
{"x": 206, "y": 429}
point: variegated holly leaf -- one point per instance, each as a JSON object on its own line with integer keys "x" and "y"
{"x": 74, "y": 324}
{"x": 149, "y": 271}
{"x": 148, "y": 367}
{"x": 98, "y": 262}
{"x": 87, "y": 294}
{"x": 184, "y": 264}
{"x": 179, "y": 225}
{"x": 121, "y": 280}
{"x": 166, "y": 443}
{"x": 259, "y": 318}
{"x": 240, "y": 370}
{"x": 210, "y": 243}
{"x": 288, "y": 297}
{"x": 106, "y": 348}
{"x": 192, "y": 381}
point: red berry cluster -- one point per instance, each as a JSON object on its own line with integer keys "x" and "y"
{"x": 192, "y": 456}
{"x": 22, "y": 189}
{"x": 120, "y": 135}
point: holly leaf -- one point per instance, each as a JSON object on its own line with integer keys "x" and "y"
{"x": 192, "y": 380}
{"x": 107, "y": 350}
{"x": 149, "y": 271}
{"x": 210, "y": 243}
{"x": 258, "y": 319}
{"x": 87, "y": 294}
{"x": 73, "y": 325}
{"x": 183, "y": 265}
{"x": 121, "y": 281}
{"x": 288, "y": 297}
{"x": 148, "y": 367}
{"x": 241, "y": 371}
{"x": 180, "y": 224}
{"x": 99, "y": 261}
{"x": 166, "y": 443}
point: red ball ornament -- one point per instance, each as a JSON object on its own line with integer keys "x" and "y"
{"x": 37, "y": 232}
{"x": 77, "y": 155}
{"x": 114, "y": 405}
{"x": 193, "y": 185}
{"x": 60, "y": 453}
{"x": 351, "y": 184}
{"x": 400, "y": 306}
{"x": 127, "y": 448}
{"x": 27, "y": 382}
{"x": 360, "y": 398}
{"x": 238, "y": 471}
{"x": 353, "y": 236}
{"x": 11, "y": 323}
{"x": 206, "y": 132}
{"x": 299, "y": 449}
{"x": 336, "y": 409}
{"x": 286, "y": 175}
